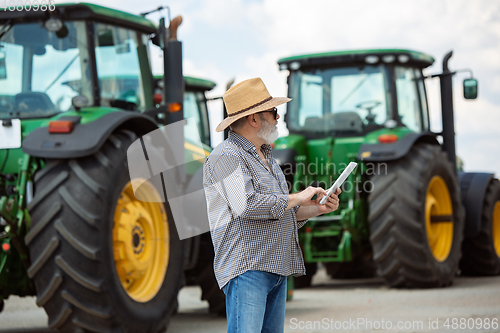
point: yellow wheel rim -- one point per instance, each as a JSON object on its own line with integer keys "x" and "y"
{"x": 141, "y": 241}
{"x": 438, "y": 218}
{"x": 496, "y": 227}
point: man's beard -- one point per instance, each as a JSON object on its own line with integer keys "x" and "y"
{"x": 268, "y": 132}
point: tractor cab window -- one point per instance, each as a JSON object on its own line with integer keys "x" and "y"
{"x": 37, "y": 67}
{"x": 311, "y": 101}
{"x": 196, "y": 114}
{"x": 339, "y": 101}
{"x": 423, "y": 99}
{"x": 118, "y": 69}
{"x": 408, "y": 98}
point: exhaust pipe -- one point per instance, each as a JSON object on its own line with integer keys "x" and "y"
{"x": 447, "y": 111}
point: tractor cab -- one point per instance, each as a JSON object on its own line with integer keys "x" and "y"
{"x": 352, "y": 93}
{"x": 49, "y": 57}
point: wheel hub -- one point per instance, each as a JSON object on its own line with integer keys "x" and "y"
{"x": 135, "y": 227}
{"x": 439, "y": 218}
{"x": 140, "y": 242}
{"x": 138, "y": 239}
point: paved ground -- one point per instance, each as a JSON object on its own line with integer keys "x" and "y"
{"x": 331, "y": 306}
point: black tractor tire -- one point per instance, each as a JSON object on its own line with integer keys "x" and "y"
{"x": 203, "y": 275}
{"x": 359, "y": 268}
{"x": 397, "y": 218}
{"x": 71, "y": 247}
{"x": 304, "y": 281}
{"x": 1, "y": 305}
{"x": 479, "y": 256}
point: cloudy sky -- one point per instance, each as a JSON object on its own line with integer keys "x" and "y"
{"x": 225, "y": 39}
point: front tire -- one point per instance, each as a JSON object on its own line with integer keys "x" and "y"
{"x": 416, "y": 220}
{"x": 81, "y": 248}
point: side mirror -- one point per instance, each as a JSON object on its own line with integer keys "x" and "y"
{"x": 470, "y": 88}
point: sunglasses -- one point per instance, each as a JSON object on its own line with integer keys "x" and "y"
{"x": 273, "y": 110}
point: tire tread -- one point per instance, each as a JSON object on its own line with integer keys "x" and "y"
{"x": 65, "y": 240}
{"x": 76, "y": 276}
{"x": 397, "y": 220}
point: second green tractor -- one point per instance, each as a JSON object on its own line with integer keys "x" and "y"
{"x": 409, "y": 212}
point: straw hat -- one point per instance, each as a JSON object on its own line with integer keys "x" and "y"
{"x": 245, "y": 98}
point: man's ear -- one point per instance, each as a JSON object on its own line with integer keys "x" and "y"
{"x": 252, "y": 120}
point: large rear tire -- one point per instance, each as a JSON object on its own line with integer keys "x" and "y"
{"x": 416, "y": 220}
{"x": 102, "y": 261}
{"x": 481, "y": 254}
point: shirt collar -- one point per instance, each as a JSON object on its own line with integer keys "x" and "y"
{"x": 246, "y": 144}
{"x": 266, "y": 148}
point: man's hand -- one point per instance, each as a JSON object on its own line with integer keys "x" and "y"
{"x": 315, "y": 208}
{"x": 331, "y": 204}
{"x": 307, "y": 194}
{"x": 304, "y": 197}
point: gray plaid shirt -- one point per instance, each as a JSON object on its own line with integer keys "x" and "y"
{"x": 246, "y": 202}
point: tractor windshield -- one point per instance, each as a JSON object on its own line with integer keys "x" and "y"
{"x": 35, "y": 66}
{"x": 339, "y": 101}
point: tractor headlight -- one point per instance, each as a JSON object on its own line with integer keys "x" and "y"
{"x": 294, "y": 65}
{"x": 388, "y": 58}
{"x": 371, "y": 59}
{"x": 403, "y": 58}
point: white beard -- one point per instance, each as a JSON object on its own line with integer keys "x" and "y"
{"x": 268, "y": 132}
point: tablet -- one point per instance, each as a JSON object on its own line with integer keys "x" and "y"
{"x": 339, "y": 181}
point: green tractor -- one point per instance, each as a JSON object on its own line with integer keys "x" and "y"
{"x": 408, "y": 212}
{"x": 76, "y": 90}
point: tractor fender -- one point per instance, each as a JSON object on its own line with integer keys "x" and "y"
{"x": 393, "y": 151}
{"x": 473, "y": 187}
{"x": 85, "y": 139}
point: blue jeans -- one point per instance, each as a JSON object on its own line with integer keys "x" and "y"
{"x": 255, "y": 303}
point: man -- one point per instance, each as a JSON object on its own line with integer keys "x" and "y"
{"x": 253, "y": 219}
